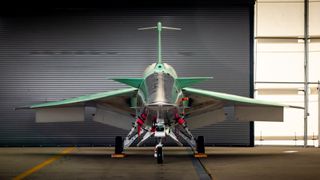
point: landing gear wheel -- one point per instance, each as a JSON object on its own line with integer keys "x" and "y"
{"x": 200, "y": 144}
{"x": 118, "y": 145}
{"x": 159, "y": 155}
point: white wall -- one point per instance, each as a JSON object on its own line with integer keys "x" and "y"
{"x": 282, "y": 60}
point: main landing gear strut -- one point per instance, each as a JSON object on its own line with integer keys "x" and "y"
{"x": 118, "y": 145}
{"x": 159, "y": 131}
{"x": 158, "y": 152}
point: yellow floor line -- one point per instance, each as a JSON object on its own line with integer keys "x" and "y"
{"x": 43, "y": 164}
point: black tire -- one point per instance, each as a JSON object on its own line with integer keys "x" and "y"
{"x": 159, "y": 155}
{"x": 200, "y": 144}
{"x": 118, "y": 148}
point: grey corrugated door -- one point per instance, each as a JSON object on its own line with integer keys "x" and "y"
{"x": 47, "y": 57}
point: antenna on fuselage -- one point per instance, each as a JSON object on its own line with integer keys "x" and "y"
{"x": 159, "y": 27}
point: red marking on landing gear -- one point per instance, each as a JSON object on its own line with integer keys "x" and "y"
{"x": 179, "y": 119}
{"x": 140, "y": 121}
{"x": 184, "y": 99}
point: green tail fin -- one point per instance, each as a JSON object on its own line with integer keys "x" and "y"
{"x": 134, "y": 82}
{"x": 159, "y": 28}
{"x": 189, "y": 81}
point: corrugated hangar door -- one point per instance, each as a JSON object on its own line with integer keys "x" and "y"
{"x": 48, "y": 56}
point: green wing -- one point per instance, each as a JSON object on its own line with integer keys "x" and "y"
{"x": 189, "y": 81}
{"x": 133, "y": 82}
{"x": 208, "y": 107}
{"x": 112, "y": 108}
{"x": 81, "y": 99}
{"x": 234, "y": 99}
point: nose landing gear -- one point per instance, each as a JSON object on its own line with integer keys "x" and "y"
{"x": 159, "y": 154}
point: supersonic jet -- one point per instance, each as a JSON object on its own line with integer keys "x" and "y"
{"x": 162, "y": 104}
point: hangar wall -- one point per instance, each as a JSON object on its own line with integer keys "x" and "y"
{"x": 59, "y": 54}
{"x": 279, "y": 68}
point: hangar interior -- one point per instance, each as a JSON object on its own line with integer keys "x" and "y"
{"x": 57, "y": 54}
{"x": 62, "y": 53}
{"x": 251, "y": 48}
{"x": 48, "y": 56}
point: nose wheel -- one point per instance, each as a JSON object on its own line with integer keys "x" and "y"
{"x": 159, "y": 154}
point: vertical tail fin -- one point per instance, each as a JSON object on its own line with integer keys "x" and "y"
{"x": 159, "y": 28}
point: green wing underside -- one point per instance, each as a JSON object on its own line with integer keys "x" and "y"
{"x": 85, "y": 98}
{"x": 233, "y": 99}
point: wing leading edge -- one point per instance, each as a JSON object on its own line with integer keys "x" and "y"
{"x": 235, "y": 99}
{"x": 85, "y": 98}
{"x": 111, "y": 108}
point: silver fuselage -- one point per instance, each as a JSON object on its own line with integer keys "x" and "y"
{"x": 160, "y": 97}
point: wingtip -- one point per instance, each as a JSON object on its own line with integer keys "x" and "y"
{"x": 296, "y": 107}
{"x": 21, "y": 108}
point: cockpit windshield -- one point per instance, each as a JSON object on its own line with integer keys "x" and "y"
{"x": 160, "y": 86}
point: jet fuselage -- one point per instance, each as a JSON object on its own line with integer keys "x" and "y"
{"x": 159, "y": 94}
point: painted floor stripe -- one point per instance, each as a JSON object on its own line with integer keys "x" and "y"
{"x": 43, "y": 164}
{"x": 200, "y": 168}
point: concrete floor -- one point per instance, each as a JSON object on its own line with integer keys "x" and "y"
{"x": 222, "y": 163}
